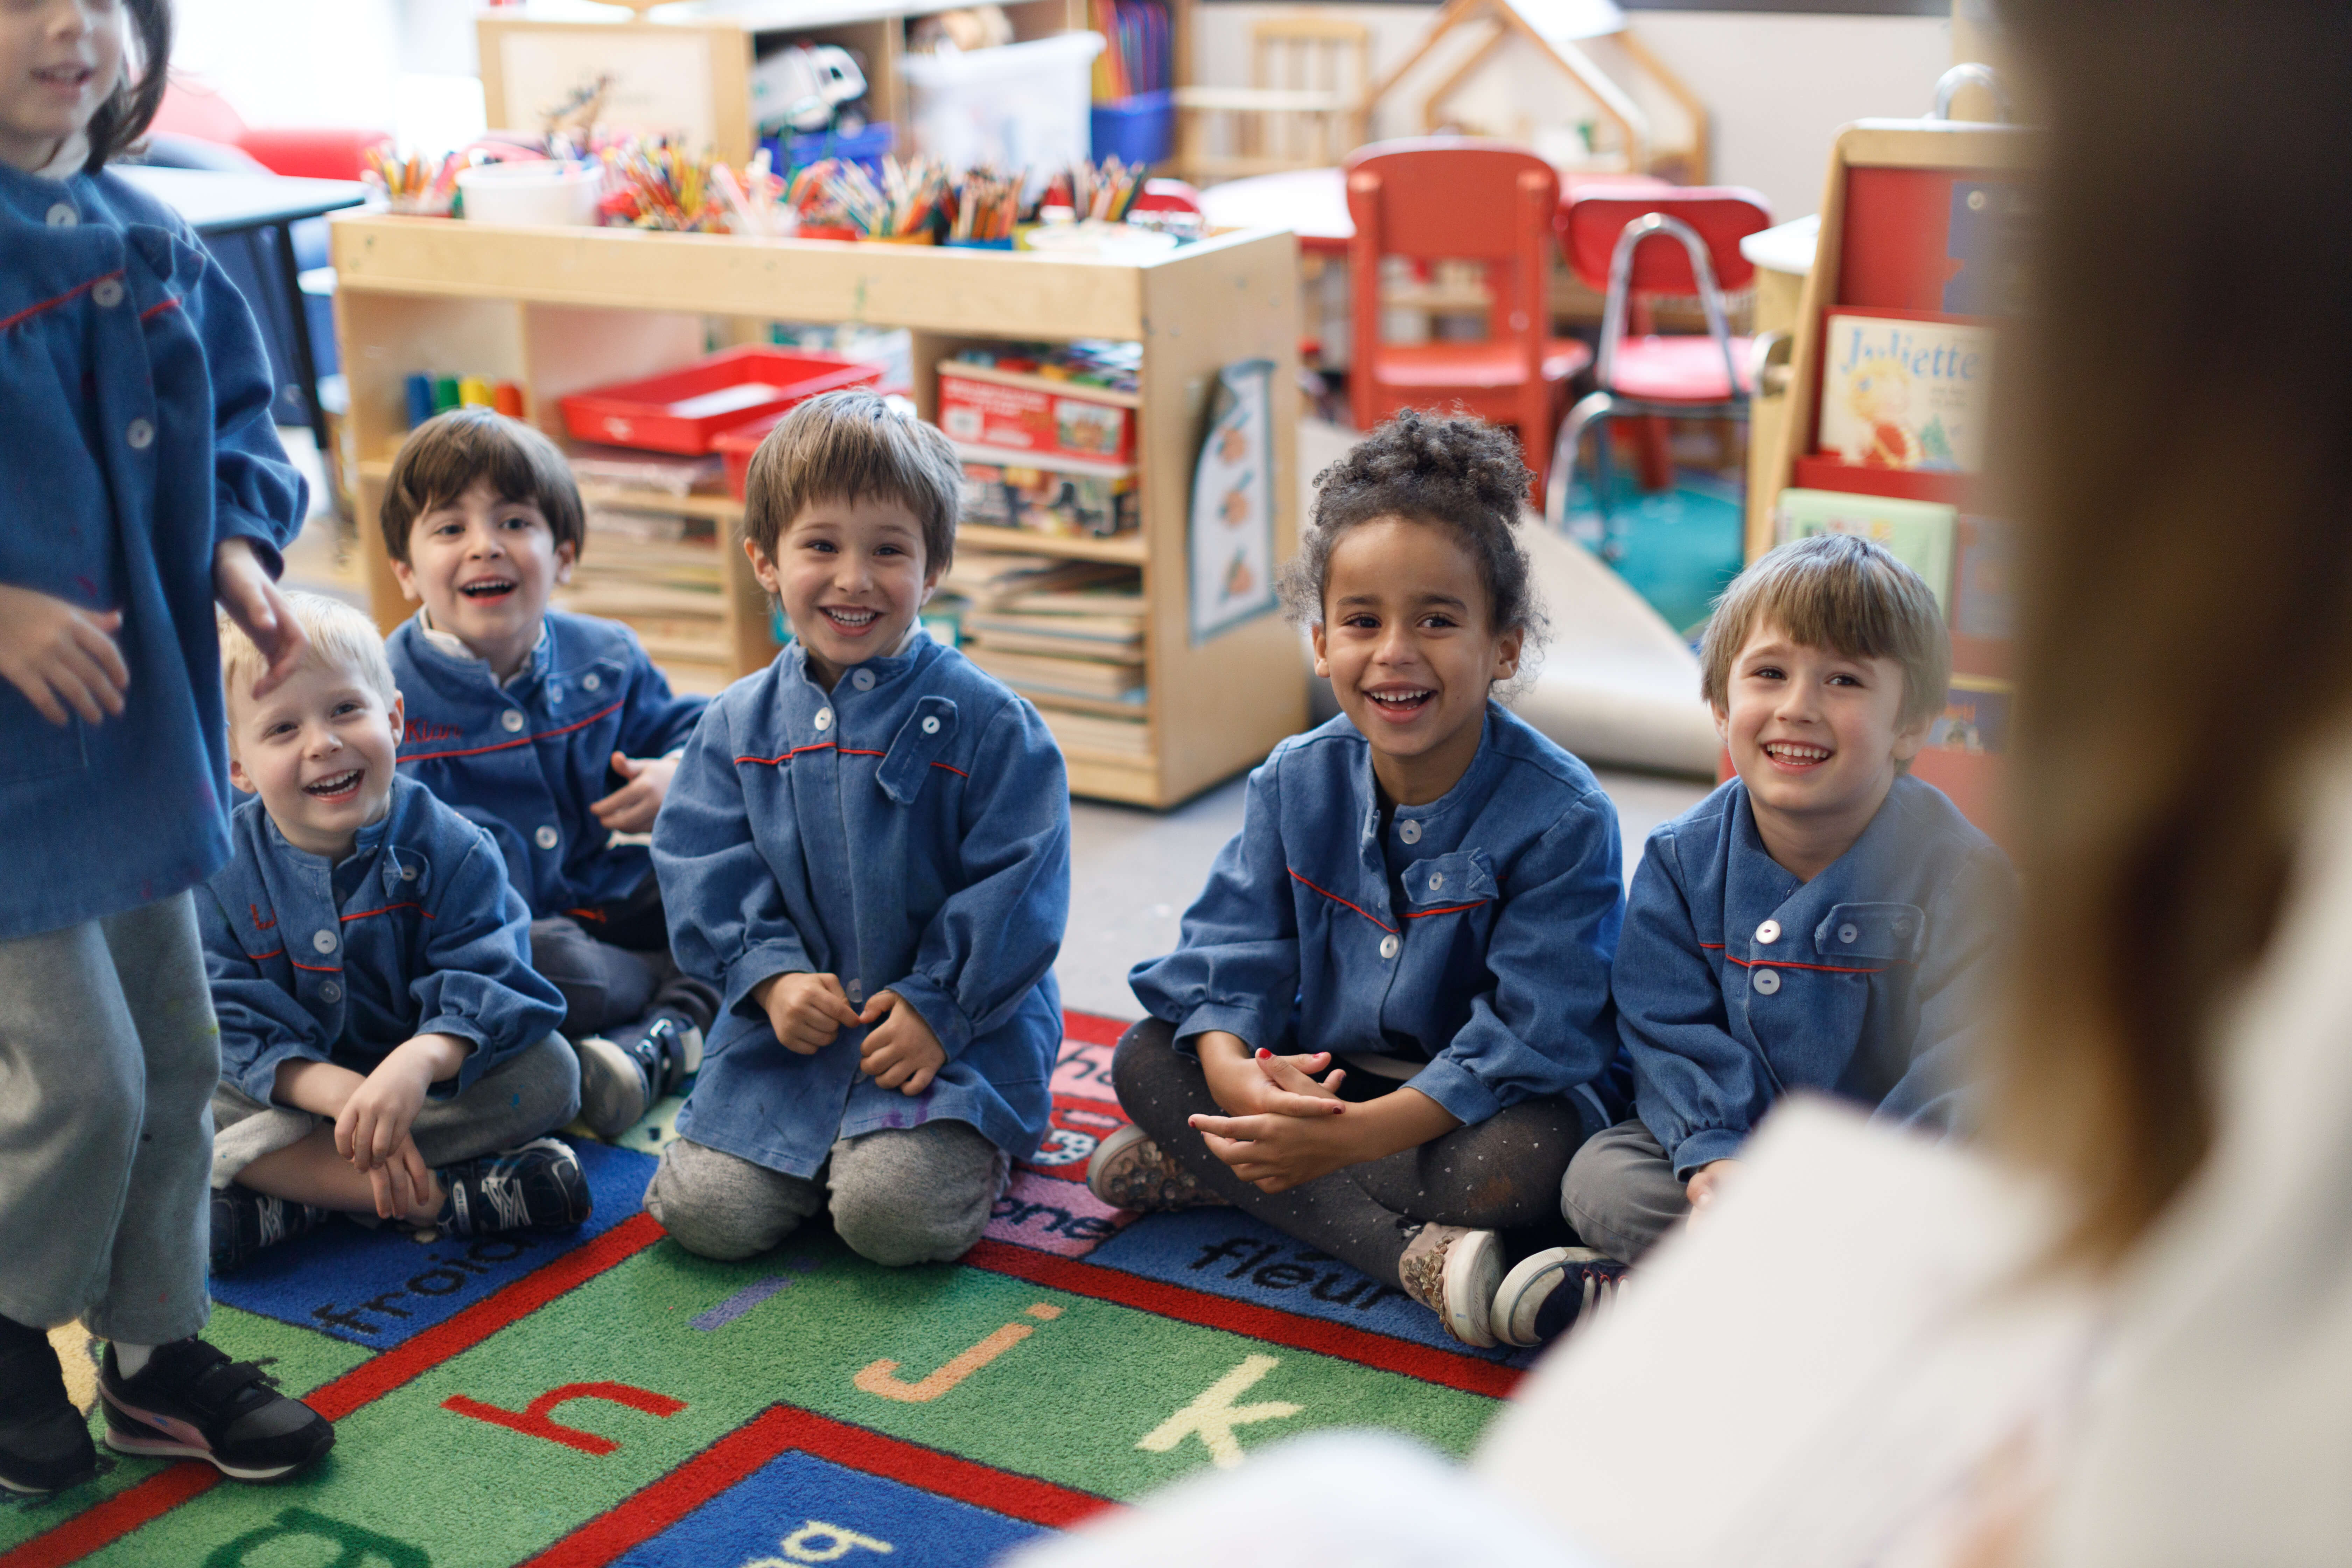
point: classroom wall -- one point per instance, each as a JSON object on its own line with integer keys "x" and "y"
{"x": 1777, "y": 84}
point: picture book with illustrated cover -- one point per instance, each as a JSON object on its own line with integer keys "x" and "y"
{"x": 1905, "y": 391}
{"x": 1919, "y": 533}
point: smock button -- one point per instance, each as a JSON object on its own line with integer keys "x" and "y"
{"x": 323, "y": 941}
{"x": 109, "y": 292}
{"x": 1436, "y": 882}
{"x": 931, "y": 726}
{"x": 547, "y": 837}
{"x": 139, "y": 434}
{"x": 511, "y": 719}
{"x": 330, "y": 992}
{"x": 1848, "y": 932}
{"x": 1769, "y": 932}
{"x": 1765, "y": 981}
{"x": 1409, "y": 831}
{"x": 858, "y": 992}
{"x": 63, "y": 215}
{"x": 1389, "y": 945}
{"x": 823, "y": 718}
{"x": 863, "y": 680}
{"x": 408, "y": 873}
{"x": 591, "y": 682}
{"x": 554, "y": 691}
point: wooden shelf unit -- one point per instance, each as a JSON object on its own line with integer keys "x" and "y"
{"x": 558, "y": 311}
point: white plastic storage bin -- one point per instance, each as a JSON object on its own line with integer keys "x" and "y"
{"x": 1015, "y": 106}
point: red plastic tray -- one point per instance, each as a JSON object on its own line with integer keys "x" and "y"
{"x": 684, "y": 410}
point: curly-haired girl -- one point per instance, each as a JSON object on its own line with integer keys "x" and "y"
{"x": 1387, "y": 1026}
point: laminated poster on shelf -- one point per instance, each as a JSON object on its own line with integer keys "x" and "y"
{"x": 1231, "y": 539}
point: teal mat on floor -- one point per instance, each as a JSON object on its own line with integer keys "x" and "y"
{"x": 1677, "y": 548}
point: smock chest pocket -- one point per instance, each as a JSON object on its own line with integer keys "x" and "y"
{"x": 1444, "y": 883}
{"x": 1871, "y": 935}
{"x": 407, "y": 875}
{"x": 921, "y": 741}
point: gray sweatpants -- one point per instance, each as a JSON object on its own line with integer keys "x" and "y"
{"x": 901, "y": 1196}
{"x": 107, "y": 1057}
{"x": 535, "y": 1091}
{"x": 1621, "y": 1193}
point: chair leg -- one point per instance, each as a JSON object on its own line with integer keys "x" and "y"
{"x": 1593, "y": 408}
{"x": 1657, "y": 459}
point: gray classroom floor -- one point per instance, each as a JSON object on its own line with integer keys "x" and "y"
{"x": 1132, "y": 872}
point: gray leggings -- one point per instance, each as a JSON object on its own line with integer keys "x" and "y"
{"x": 107, "y": 1057}
{"x": 1501, "y": 1173}
{"x": 918, "y": 1194}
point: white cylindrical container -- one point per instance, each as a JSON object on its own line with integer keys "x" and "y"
{"x": 546, "y": 194}
{"x": 1015, "y": 106}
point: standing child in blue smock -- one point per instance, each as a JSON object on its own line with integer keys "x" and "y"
{"x": 554, "y": 732}
{"x": 866, "y": 850}
{"x": 1420, "y": 908}
{"x": 1824, "y": 921}
{"x": 140, "y": 481}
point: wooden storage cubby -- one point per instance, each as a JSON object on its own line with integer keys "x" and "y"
{"x": 557, "y": 311}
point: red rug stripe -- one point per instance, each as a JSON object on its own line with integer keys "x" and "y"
{"x": 119, "y": 1515}
{"x": 1446, "y": 1368}
{"x": 646, "y": 1513}
{"x": 1092, "y": 1028}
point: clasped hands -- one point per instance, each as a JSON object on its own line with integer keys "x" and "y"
{"x": 376, "y": 1115}
{"x": 1284, "y": 1127}
{"x": 808, "y": 1013}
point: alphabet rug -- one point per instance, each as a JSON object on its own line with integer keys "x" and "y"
{"x": 604, "y": 1397}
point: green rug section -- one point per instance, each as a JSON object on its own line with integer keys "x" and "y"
{"x": 1093, "y": 1396}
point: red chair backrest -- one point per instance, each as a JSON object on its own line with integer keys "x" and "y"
{"x": 1594, "y": 217}
{"x": 1447, "y": 197}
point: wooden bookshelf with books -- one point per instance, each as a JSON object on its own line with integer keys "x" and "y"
{"x": 1145, "y": 713}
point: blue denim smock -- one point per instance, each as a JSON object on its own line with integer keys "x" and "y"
{"x": 527, "y": 759}
{"x": 1737, "y": 982}
{"x": 135, "y": 401}
{"x": 908, "y": 831}
{"x": 416, "y": 931}
{"x": 1472, "y": 935}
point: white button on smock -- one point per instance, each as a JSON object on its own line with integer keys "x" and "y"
{"x": 330, "y": 992}
{"x": 931, "y": 725}
{"x": 1765, "y": 981}
{"x": 1409, "y": 831}
{"x": 824, "y": 719}
{"x": 511, "y": 719}
{"x": 547, "y": 837}
{"x": 1848, "y": 932}
{"x": 408, "y": 873}
{"x": 858, "y": 992}
{"x": 139, "y": 434}
{"x": 1389, "y": 945}
{"x": 862, "y": 679}
{"x": 107, "y": 293}
{"x": 324, "y": 941}
{"x": 1769, "y": 932}
{"x": 63, "y": 215}
{"x": 591, "y": 682}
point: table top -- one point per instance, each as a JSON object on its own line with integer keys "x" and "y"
{"x": 218, "y": 203}
{"x": 1313, "y": 203}
{"x": 1785, "y": 247}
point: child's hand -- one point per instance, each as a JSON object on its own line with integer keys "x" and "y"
{"x": 402, "y": 1184}
{"x": 1706, "y": 1183}
{"x": 633, "y": 807}
{"x": 807, "y": 1012}
{"x": 1259, "y": 1083}
{"x": 901, "y": 1052}
{"x": 376, "y": 1119}
{"x": 61, "y": 657}
{"x": 243, "y": 587}
{"x": 1276, "y": 1153}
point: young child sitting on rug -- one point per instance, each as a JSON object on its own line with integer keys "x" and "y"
{"x": 1386, "y": 1026}
{"x": 867, "y": 850}
{"x": 554, "y": 732}
{"x": 1822, "y": 921}
{"x": 385, "y": 1045}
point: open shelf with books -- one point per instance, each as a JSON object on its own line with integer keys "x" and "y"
{"x": 1145, "y": 713}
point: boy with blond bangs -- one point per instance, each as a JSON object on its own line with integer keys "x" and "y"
{"x": 554, "y": 732}
{"x": 1822, "y": 921}
{"x": 867, "y": 850}
{"x": 386, "y": 1045}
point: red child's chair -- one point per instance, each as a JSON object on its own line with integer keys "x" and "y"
{"x": 1457, "y": 198}
{"x": 1603, "y": 231}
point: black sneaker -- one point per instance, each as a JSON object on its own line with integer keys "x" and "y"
{"x": 244, "y": 1221}
{"x": 624, "y": 1073}
{"x": 45, "y": 1443}
{"x": 539, "y": 1187}
{"x": 1554, "y": 1290}
{"x": 191, "y": 1402}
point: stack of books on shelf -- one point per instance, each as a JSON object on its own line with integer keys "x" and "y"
{"x": 1068, "y": 635}
{"x": 655, "y": 569}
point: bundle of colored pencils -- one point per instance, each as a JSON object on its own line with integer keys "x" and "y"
{"x": 906, "y": 200}
{"x": 755, "y": 198}
{"x": 1105, "y": 190}
{"x": 654, "y": 183}
{"x": 414, "y": 184}
{"x": 986, "y": 206}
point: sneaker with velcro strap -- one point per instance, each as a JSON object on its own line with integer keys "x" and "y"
{"x": 245, "y": 1223}
{"x": 45, "y": 1443}
{"x": 191, "y": 1402}
{"x": 624, "y": 1073}
{"x": 1553, "y": 1290}
{"x": 536, "y": 1187}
